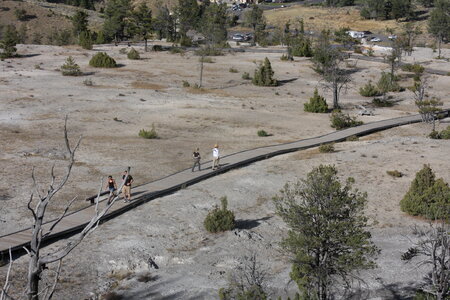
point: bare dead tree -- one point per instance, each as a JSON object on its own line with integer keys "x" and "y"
{"x": 247, "y": 281}
{"x": 38, "y": 262}
{"x": 433, "y": 247}
{"x": 328, "y": 62}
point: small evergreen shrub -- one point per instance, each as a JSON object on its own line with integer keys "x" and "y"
{"x": 206, "y": 59}
{"x": 326, "y": 148}
{"x": 220, "y": 219}
{"x": 264, "y": 75}
{"x": 414, "y": 68}
{"x": 444, "y": 134}
{"x": 395, "y": 173}
{"x": 246, "y": 76}
{"x": 88, "y": 82}
{"x": 21, "y": 14}
{"x": 177, "y": 50}
{"x": 102, "y": 60}
{"x": 369, "y": 90}
{"x": 300, "y": 46}
{"x": 149, "y": 134}
{"x": 233, "y": 70}
{"x": 263, "y": 133}
{"x": 377, "y": 102}
{"x": 133, "y": 54}
{"x": 317, "y": 104}
{"x": 352, "y": 138}
{"x": 186, "y": 84}
{"x": 340, "y": 120}
{"x": 70, "y": 68}
{"x": 427, "y": 197}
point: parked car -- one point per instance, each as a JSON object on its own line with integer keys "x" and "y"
{"x": 375, "y": 39}
{"x": 238, "y": 38}
{"x": 392, "y": 37}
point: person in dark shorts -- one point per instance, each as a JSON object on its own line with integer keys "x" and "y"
{"x": 126, "y": 189}
{"x": 112, "y": 187}
{"x": 196, "y": 157}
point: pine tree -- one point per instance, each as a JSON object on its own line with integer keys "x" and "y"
{"x": 8, "y": 42}
{"x": 264, "y": 75}
{"x": 327, "y": 237}
{"x": 116, "y": 14}
{"x": 80, "y": 22}
{"x": 214, "y": 23}
{"x": 85, "y": 40}
{"x": 317, "y": 103}
{"x": 439, "y": 22}
{"x": 427, "y": 196}
{"x": 141, "y": 22}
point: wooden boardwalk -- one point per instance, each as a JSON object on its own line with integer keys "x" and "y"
{"x": 76, "y": 220}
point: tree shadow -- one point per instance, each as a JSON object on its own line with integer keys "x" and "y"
{"x": 283, "y": 82}
{"x": 28, "y": 55}
{"x": 250, "y": 224}
{"x": 28, "y": 18}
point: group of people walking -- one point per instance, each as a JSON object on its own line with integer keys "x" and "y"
{"x": 215, "y": 162}
{"x": 111, "y": 184}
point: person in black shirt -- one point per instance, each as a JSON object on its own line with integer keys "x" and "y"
{"x": 196, "y": 157}
{"x": 126, "y": 189}
{"x": 112, "y": 187}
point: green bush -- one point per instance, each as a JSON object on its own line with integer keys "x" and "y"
{"x": 369, "y": 90}
{"x": 381, "y": 102}
{"x": 444, "y": 134}
{"x": 233, "y": 70}
{"x": 326, "y": 148}
{"x": 395, "y": 173}
{"x": 70, "y": 68}
{"x": 186, "y": 84}
{"x": 427, "y": 196}
{"x": 149, "y": 134}
{"x": 206, "y": 59}
{"x": 300, "y": 46}
{"x": 185, "y": 41}
{"x": 340, "y": 120}
{"x": 264, "y": 75}
{"x": 220, "y": 219}
{"x": 352, "y": 138}
{"x": 246, "y": 76}
{"x": 263, "y": 133}
{"x": 414, "y": 68}
{"x": 133, "y": 54}
{"x": 177, "y": 50}
{"x": 8, "y": 42}
{"x": 102, "y": 60}
{"x": 316, "y": 104}
{"x": 21, "y": 14}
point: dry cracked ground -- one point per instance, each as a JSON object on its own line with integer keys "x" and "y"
{"x": 193, "y": 264}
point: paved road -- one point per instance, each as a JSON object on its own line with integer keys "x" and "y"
{"x": 75, "y": 221}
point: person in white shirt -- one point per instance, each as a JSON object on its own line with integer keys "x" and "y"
{"x": 216, "y": 157}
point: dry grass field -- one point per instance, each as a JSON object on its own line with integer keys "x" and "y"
{"x": 319, "y": 18}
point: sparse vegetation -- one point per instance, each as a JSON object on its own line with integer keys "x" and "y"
{"x": 246, "y": 76}
{"x": 377, "y": 102}
{"x": 133, "y": 54}
{"x": 149, "y": 134}
{"x": 326, "y": 148}
{"x": 316, "y": 104}
{"x": 369, "y": 90}
{"x": 220, "y": 219}
{"x": 394, "y": 173}
{"x": 8, "y": 42}
{"x": 206, "y": 59}
{"x": 427, "y": 197}
{"x": 264, "y": 75}
{"x": 88, "y": 82}
{"x": 102, "y": 60}
{"x": 340, "y": 120}
{"x": 233, "y": 70}
{"x": 70, "y": 68}
{"x": 352, "y": 138}
{"x": 186, "y": 84}
{"x": 263, "y": 133}
{"x": 444, "y": 134}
